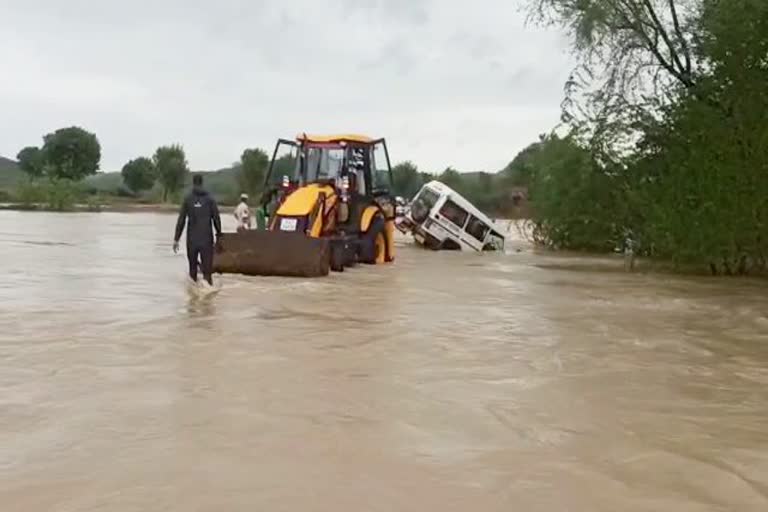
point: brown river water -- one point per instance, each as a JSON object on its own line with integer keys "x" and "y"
{"x": 447, "y": 381}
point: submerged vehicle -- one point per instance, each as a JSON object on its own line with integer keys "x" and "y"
{"x": 329, "y": 206}
{"x": 441, "y": 219}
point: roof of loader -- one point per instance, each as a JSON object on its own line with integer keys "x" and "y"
{"x": 324, "y": 139}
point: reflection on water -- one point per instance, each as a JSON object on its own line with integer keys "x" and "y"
{"x": 445, "y": 382}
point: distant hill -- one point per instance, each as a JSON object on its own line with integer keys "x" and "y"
{"x": 10, "y": 174}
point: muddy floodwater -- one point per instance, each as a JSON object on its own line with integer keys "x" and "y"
{"x": 448, "y": 381}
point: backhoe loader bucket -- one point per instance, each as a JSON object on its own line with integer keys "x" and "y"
{"x": 272, "y": 253}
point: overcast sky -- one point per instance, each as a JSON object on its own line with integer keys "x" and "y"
{"x": 455, "y": 83}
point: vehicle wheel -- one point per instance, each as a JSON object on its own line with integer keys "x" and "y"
{"x": 381, "y": 248}
{"x": 373, "y": 246}
{"x": 350, "y": 255}
{"x": 337, "y": 258}
{"x": 450, "y": 245}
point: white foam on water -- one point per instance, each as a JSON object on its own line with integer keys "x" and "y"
{"x": 202, "y": 288}
{"x": 261, "y": 284}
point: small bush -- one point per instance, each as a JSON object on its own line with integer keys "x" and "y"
{"x": 96, "y": 202}
{"x": 31, "y": 193}
{"x": 154, "y": 196}
{"x": 57, "y": 195}
{"x": 123, "y": 191}
{"x": 62, "y": 195}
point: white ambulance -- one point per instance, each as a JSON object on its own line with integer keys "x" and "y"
{"x": 441, "y": 219}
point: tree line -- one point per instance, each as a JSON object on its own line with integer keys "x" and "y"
{"x": 168, "y": 167}
{"x": 69, "y": 155}
{"x": 495, "y": 193}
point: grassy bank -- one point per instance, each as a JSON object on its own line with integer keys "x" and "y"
{"x": 118, "y": 207}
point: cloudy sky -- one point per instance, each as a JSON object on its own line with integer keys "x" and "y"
{"x": 455, "y": 83}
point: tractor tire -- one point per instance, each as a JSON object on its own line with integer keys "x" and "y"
{"x": 450, "y": 245}
{"x": 337, "y": 258}
{"x": 373, "y": 243}
{"x": 350, "y": 255}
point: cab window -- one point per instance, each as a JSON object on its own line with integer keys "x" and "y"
{"x": 286, "y": 163}
{"x": 356, "y": 168}
{"x": 477, "y": 228}
{"x": 454, "y": 213}
{"x": 379, "y": 167}
{"x": 324, "y": 163}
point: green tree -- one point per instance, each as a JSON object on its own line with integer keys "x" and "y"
{"x": 139, "y": 174}
{"x": 625, "y": 39}
{"x": 636, "y": 57}
{"x": 171, "y": 166}
{"x": 407, "y": 179}
{"x": 705, "y": 164}
{"x": 71, "y": 154}
{"x": 487, "y": 193}
{"x": 485, "y": 183}
{"x": 31, "y": 161}
{"x": 574, "y": 198}
{"x": 675, "y": 153}
{"x": 252, "y": 170}
{"x": 452, "y": 178}
{"x": 520, "y": 170}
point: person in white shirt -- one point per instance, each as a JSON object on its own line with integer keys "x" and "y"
{"x": 243, "y": 214}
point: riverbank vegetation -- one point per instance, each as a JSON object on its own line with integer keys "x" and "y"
{"x": 53, "y": 171}
{"x": 663, "y": 142}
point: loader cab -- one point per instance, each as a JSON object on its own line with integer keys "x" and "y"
{"x": 355, "y": 165}
{"x": 336, "y": 187}
{"x": 311, "y": 159}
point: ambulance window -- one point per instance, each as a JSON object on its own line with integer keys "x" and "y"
{"x": 429, "y": 197}
{"x": 477, "y": 228}
{"x": 454, "y": 213}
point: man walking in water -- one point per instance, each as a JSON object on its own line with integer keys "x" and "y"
{"x": 203, "y": 214}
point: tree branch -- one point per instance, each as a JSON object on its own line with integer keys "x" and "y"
{"x": 680, "y": 37}
{"x": 651, "y": 44}
{"x": 680, "y": 70}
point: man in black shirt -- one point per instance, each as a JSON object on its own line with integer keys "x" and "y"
{"x": 201, "y": 212}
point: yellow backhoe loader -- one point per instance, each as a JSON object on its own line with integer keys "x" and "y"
{"x": 329, "y": 206}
